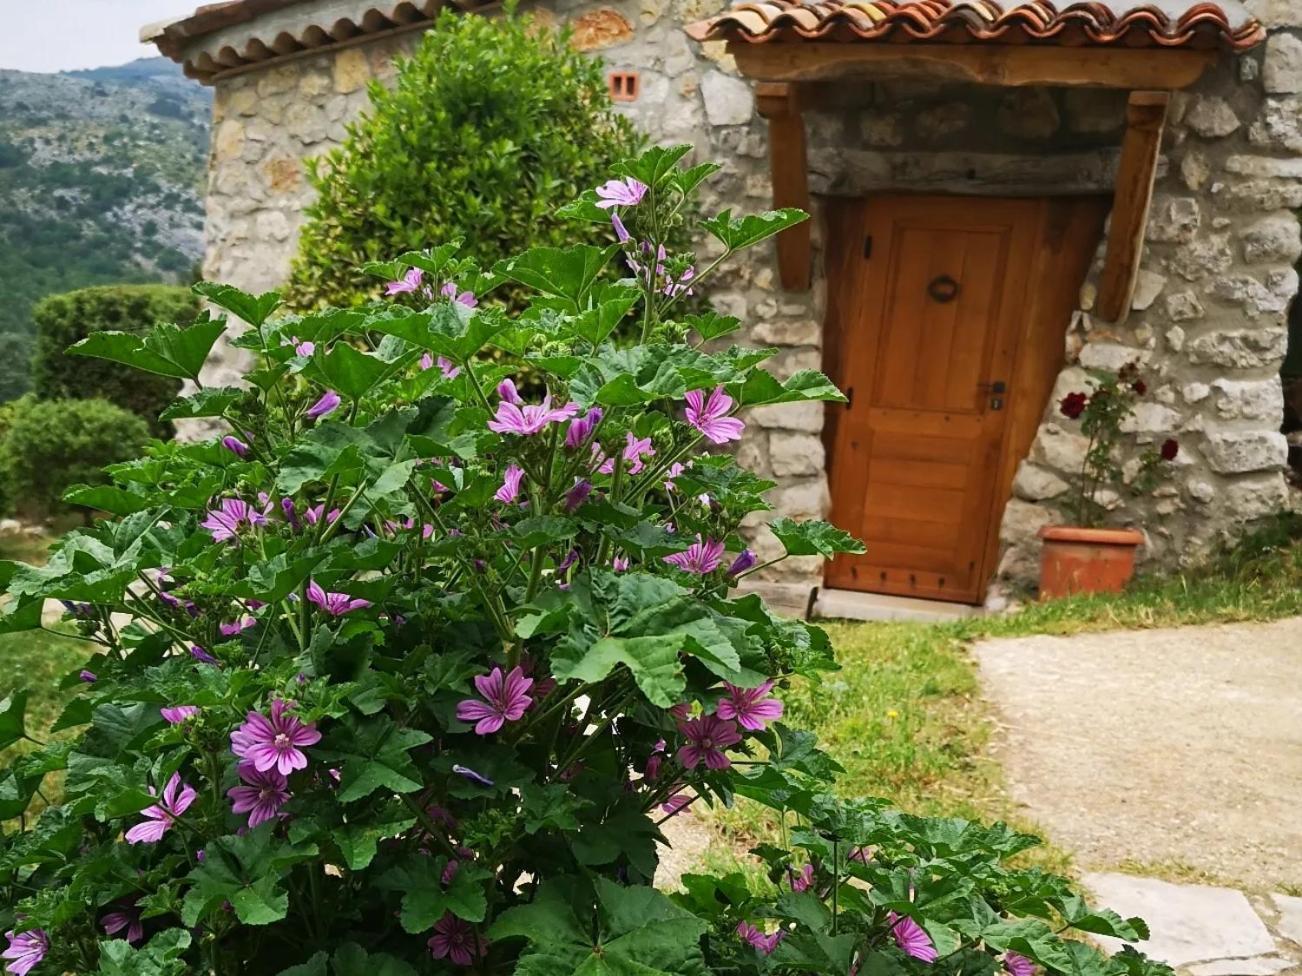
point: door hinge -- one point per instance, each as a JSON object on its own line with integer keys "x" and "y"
{"x": 868, "y": 246}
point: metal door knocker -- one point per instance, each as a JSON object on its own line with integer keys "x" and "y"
{"x": 943, "y": 289}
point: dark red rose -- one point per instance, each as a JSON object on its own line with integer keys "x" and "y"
{"x": 1140, "y": 387}
{"x": 1073, "y": 405}
{"x": 1170, "y": 448}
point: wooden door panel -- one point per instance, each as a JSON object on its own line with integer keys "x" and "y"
{"x": 932, "y": 319}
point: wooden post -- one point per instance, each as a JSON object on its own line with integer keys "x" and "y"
{"x": 779, "y": 103}
{"x": 1145, "y": 119}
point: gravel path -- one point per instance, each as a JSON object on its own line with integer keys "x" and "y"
{"x": 1162, "y": 748}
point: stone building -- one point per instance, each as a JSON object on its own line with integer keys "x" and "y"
{"x": 1004, "y": 192}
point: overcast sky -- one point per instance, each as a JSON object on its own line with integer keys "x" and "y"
{"x": 59, "y": 35}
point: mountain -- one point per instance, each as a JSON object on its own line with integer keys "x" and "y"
{"x": 101, "y": 176}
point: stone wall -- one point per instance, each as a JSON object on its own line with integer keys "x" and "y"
{"x": 1208, "y": 322}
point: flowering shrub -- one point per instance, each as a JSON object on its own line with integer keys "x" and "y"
{"x": 405, "y": 674}
{"x": 1102, "y": 412}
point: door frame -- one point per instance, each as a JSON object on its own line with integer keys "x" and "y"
{"x": 1068, "y": 230}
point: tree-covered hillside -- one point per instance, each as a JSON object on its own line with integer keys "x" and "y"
{"x": 100, "y": 181}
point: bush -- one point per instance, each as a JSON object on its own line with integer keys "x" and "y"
{"x": 15, "y": 365}
{"x": 54, "y": 444}
{"x": 415, "y": 669}
{"x": 62, "y": 320}
{"x": 491, "y": 125}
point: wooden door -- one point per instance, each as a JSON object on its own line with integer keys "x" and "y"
{"x": 930, "y": 309}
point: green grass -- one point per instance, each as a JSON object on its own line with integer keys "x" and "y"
{"x": 904, "y": 714}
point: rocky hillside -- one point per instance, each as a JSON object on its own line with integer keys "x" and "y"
{"x": 100, "y": 177}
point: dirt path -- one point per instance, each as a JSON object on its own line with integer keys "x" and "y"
{"x": 1159, "y": 749}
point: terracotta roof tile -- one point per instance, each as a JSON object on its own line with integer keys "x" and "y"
{"x": 1128, "y": 23}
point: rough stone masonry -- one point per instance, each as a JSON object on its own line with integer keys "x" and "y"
{"x": 1208, "y": 323}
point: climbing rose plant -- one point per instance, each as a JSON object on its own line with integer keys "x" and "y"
{"x": 406, "y": 673}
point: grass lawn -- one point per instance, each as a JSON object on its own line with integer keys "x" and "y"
{"x": 904, "y": 715}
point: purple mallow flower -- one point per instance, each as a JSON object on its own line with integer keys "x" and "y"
{"x": 757, "y": 939}
{"x": 235, "y": 446}
{"x": 912, "y": 938}
{"x": 176, "y": 714}
{"x": 232, "y": 515}
{"x": 635, "y": 449}
{"x": 465, "y": 772}
{"x": 802, "y": 879}
{"x": 176, "y": 799}
{"x": 506, "y": 699}
{"x": 621, "y": 232}
{"x": 464, "y": 298}
{"x": 202, "y": 656}
{"x": 302, "y": 348}
{"x": 577, "y": 495}
{"x": 707, "y": 737}
{"x": 274, "y": 741}
{"x": 128, "y": 918}
{"x": 627, "y": 192}
{"x": 744, "y": 563}
{"x": 407, "y": 284}
{"x": 313, "y": 515}
{"x": 527, "y": 419}
{"x": 710, "y": 416}
{"x": 456, "y": 941}
{"x": 90, "y": 677}
{"x": 25, "y": 951}
{"x": 1017, "y": 964}
{"x": 581, "y": 428}
{"x": 329, "y": 401}
{"x": 447, "y": 367}
{"x": 510, "y": 489}
{"x": 702, "y": 557}
{"x": 261, "y": 793}
{"x": 752, "y": 708}
{"x": 237, "y": 627}
{"x": 335, "y": 604}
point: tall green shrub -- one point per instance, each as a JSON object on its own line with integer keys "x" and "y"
{"x": 53, "y": 444}
{"x": 492, "y": 124}
{"x": 15, "y": 365}
{"x": 62, "y": 320}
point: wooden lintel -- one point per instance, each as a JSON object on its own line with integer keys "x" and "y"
{"x": 1145, "y": 119}
{"x": 987, "y": 64}
{"x": 779, "y": 103}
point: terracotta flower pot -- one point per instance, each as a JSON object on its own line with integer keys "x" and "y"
{"x": 1076, "y": 560}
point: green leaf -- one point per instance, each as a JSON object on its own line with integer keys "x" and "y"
{"x": 162, "y": 956}
{"x": 358, "y": 842}
{"x": 1101, "y": 921}
{"x": 657, "y": 164}
{"x": 208, "y": 402}
{"x": 623, "y": 931}
{"x": 273, "y": 580}
{"x": 374, "y": 756}
{"x": 248, "y": 872}
{"x": 565, "y": 272}
{"x": 813, "y": 538}
{"x": 106, "y": 498}
{"x": 316, "y": 966}
{"x": 253, "y": 310}
{"x": 762, "y": 387}
{"x": 711, "y": 325}
{"x": 349, "y": 371}
{"x": 742, "y": 232}
{"x": 13, "y": 718}
{"x": 168, "y": 350}
{"x": 425, "y": 899}
{"x": 352, "y": 960}
{"x": 550, "y": 807}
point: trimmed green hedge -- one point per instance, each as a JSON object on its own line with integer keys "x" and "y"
{"x": 491, "y": 125}
{"x": 62, "y": 320}
{"x": 51, "y": 445}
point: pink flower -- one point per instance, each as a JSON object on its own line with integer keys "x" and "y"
{"x": 335, "y": 604}
{"x": 313, "y": 515}
{"x": 803, "y": 879}
{"x": 621, "y": 232}
{"x": 409, "y": 283}
{"x": 752, "y": 708}
{"x": 261, "y": 794}
{"x": 620, "y": 564}
{"x": 447, "y": 367}
{"x": 233, "y": 514}
{"x": 177, "y": 798}
{"x": 237, "y": 627}
{"x": 627, "y": 192}
{"x": 680, "y": 287}
{"x": 176, "y": 714}
{"x": 911, "y": 938}
{"x": 127, "y": 917}
{"x": 329, "y": 401}
{"x": 703, "y": 556}
{"x": 455, "y": 939}
{"x": 303, "y": 348}
{"x": 707, "y": 737}
{"x": 711, "y": 418}
{"x": 581, "y": 428}
{"x": 676, "y": 803}
{"x": 635, "y": 449}
{"x": 744, "y": 562}
{"x": 426, "y": 362}
{"x": 465, "y": 298}
{"x": 90, "y": 677}
{"x": 25, "y": 951}
{"x": 275, "y": 741}
{"x": 510, "y": 489}
{"x": 1018, "y": 965}
{"x": 505, "y": 700}
{"x": 507, "y": 391}
{"x": 235, "y": 446}
{"x": 577, "y": 495}
{"x": 529, "y": 418}
{"x": 202, "y": 656}
{"x": 757, "y": 939}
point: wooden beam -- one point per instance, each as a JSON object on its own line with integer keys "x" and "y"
{"x": 986, "y": 64}
{"x": 780, "y": 104}
{"x": 1145, "y": 119}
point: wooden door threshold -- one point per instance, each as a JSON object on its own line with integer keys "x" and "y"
{"x": 857, "y": 605}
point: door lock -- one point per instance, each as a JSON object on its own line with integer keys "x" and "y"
{"x": 995, "y": 391}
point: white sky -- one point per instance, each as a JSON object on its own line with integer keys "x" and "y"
{"x": 60, "y": 35}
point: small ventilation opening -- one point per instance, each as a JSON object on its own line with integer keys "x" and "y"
{"x": 624, "y": 86}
